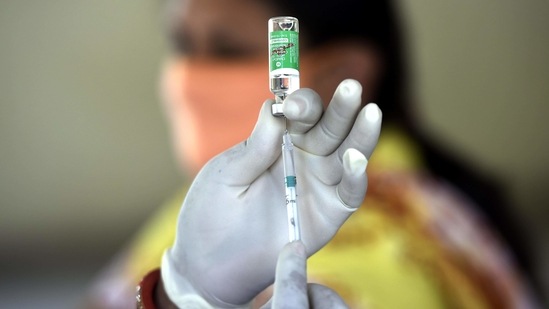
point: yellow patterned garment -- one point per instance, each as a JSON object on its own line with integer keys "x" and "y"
{"x": 414, "y": 243}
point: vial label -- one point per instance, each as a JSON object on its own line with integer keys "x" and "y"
{"x": 284, "y": 50}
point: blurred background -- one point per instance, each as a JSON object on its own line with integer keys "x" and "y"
{"x": 85, "y": 155}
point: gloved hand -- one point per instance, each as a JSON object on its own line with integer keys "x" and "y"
{"x": 233, "y": 221}
{"x": 291, "y": 289}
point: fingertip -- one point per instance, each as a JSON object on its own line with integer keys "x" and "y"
{"x": 372, "y": 112}
{"x": 349, "y": 87}
{"x": 294, "y": 249}
{"x": 348, "y": 95}
{"x": 298, "y": 248}
{"x": 354, "y": 162}
{"x": 352, "y": 188}
{"x": 267, "y": 120}
{"x": 302, "y": 105}
{"x": 294, "y": 107}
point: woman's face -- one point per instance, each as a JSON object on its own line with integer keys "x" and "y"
{"x": 217, "y": 76}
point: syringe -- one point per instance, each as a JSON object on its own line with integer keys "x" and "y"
{"x": 284, "y": 79}
{"x": 294, "y": 227}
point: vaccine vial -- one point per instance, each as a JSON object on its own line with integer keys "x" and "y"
{"x": 283, "y": 59}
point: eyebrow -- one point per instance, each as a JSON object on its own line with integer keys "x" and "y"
{"x": 222, "y": 40}
{"x": 178, "y": 39}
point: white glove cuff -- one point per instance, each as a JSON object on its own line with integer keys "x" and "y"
{"x": 180, "y": 290}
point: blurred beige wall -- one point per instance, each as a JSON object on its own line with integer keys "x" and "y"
{"x": 84, "y": 151}
{"x": 482, "y": 71}
{"x": 481, "y": 76}
{"x": 85, "y": 155}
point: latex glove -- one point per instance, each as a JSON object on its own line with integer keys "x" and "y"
{"x": 233, "y": 220}
{"x": 291, "y": 289}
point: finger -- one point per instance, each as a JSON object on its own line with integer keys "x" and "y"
{"x": 331, "y": 130}
{"x": 322, "y": 297}
{"x": 352, "y": 156}
{"x": 290, "y": 287}
{"x": 303, "y": 109}
{"x": 352, "y": 188}
{"x": 365, "y": 132}
{"x": 251, "y": 158}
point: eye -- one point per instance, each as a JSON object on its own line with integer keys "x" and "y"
{"x": 228, "y": 50}
{"x": 224, "y": 46}
{"x": 180, "y": 43}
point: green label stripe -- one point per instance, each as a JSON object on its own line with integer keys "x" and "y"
{"x": 284, "y": 50}
{"x": 290, "y": 181}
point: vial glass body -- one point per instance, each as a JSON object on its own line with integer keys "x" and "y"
{"x": 283, "y": 58}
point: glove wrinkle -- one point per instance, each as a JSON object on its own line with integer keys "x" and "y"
{"x": 322, "y": 297}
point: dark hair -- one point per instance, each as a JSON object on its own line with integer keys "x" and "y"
{"x": 374, "y": 22}
{"x": 377, "y": 22}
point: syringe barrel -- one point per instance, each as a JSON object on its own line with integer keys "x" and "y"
{"x": 290, "y": 183}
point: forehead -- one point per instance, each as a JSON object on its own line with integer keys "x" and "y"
{"x": 239, "y": 15}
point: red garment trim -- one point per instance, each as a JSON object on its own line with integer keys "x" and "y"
{"x": 145, "y": 290}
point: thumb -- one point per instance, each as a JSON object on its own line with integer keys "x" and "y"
{"x": 252, "y": 157}
{"x": 290, "y": 287}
